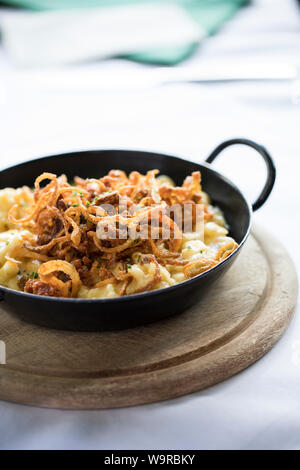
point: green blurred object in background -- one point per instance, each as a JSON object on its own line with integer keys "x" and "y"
{"x": 208, "y": 14}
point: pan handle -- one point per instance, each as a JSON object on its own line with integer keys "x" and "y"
{"x": 271, "y": 170}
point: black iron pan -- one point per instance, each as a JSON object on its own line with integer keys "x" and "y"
{"x": 137, "y": 309}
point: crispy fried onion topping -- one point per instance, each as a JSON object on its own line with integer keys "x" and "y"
{"x": 226, "y": 250}
{"x": 61, "y": 277}
{"x": 131, "y": 212}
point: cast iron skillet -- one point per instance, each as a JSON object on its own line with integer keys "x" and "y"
{"x": 137, "y": 309}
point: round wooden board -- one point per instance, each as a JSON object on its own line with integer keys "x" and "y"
{"x": 239, "y": 320}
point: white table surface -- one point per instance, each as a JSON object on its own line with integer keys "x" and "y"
{"x": 260, "y": 407}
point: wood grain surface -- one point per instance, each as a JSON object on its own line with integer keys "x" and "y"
{"x": 238, "y": 321}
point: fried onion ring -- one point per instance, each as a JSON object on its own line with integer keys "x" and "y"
{"x": 48, "y": 274}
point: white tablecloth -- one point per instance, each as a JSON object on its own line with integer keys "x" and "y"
{"x": 260, "y": 407}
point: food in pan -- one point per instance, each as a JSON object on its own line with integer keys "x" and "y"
{"x": 103, "y": 238}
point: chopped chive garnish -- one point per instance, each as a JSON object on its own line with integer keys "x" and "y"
{"x": 88, "y": 204}
{"x": 189, "y": 247}
{"x": 33, "y": 275}
{"x": 74, "y": 205}
{"x": 139, "y": 258}
{"x": 129, "y": 266}
{"x": 7, "y": 243}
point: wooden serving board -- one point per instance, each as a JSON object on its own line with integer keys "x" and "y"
{"x": 238, "y": 321}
